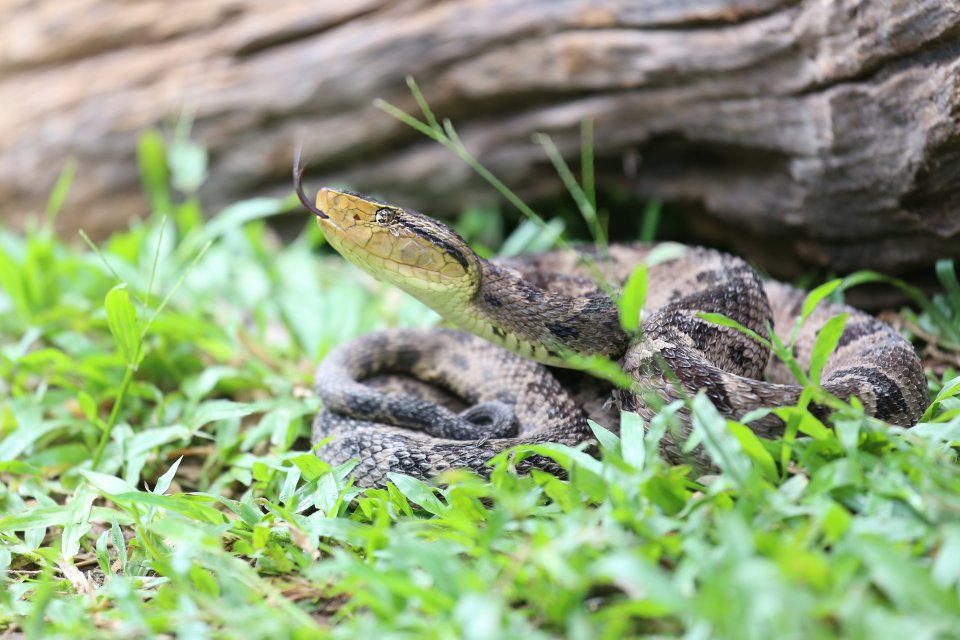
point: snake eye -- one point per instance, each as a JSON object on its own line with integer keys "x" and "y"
{"x": 385, "y": 216}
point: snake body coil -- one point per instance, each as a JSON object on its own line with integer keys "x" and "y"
{"x": 423, "y": 401}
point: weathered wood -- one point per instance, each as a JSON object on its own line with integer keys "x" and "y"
{"x": 801, "y": 132}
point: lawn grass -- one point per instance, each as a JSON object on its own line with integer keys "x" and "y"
{"x": 155, "y": 476}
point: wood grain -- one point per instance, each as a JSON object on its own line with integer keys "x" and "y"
{"x": 819, "y": 132}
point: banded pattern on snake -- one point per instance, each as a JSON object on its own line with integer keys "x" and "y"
{"x": 420, "y": 401}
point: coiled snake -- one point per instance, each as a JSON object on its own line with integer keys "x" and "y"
{"x": 420, "y": 401}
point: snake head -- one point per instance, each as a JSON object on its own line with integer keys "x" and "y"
{"x": 422, "y": 256}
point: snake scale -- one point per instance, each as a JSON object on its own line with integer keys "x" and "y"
{"x": 421, "y": 401}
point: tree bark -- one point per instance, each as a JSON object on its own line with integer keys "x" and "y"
{"x": 814, "y": 132}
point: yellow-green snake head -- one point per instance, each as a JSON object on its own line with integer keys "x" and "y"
{"x": 423, "y": 257}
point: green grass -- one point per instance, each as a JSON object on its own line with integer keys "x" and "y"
{"x": 155, "y": 476}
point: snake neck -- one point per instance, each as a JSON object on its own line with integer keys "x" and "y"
{"x": 542, "y": 324}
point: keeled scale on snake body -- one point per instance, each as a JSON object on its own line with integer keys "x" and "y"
{"x": 421, "y": 401}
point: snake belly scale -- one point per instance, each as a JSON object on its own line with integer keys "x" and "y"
{"x": 421, "y": 401}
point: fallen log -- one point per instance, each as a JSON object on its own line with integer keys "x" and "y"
{"x": 799, "y": 133}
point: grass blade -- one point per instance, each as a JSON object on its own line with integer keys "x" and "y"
{"x": 825, "y": 344}
{"x": 951, "y": 286}
{"x": 651, "y": 220}
{"x": 59, "y": 193}
{"x": 123, "y": 323}
{"x": 154, "y": 174}
{"x": 633, "y": 298}
{"x": 587, "y": 176}
{"x": 587, "y": 210}
{"x": 724, "y": 321}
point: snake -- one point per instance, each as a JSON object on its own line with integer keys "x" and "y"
{"x": 421, "y": 402}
